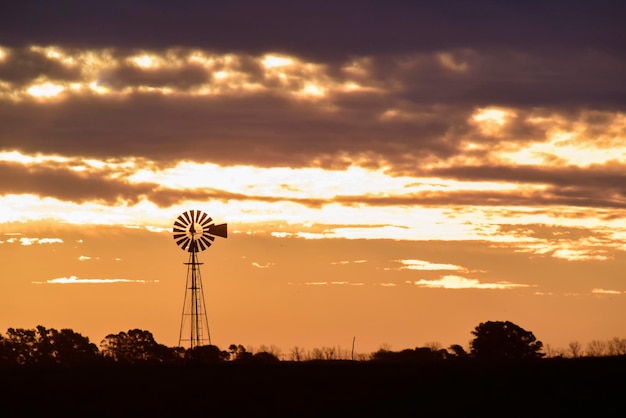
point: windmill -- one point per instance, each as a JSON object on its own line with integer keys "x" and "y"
{"x": 195, "y": 231}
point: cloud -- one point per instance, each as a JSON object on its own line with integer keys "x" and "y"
{"x": 427, "y": 127}
{"x": 30, "y": 241}
{"x": 329, "y": 283}
{"x": 62, "y": 182}
{"x": 76, "y": 280}
{"x": 262, "y": 266}
{"x": 607, "y": 292}
{"x": 346, "y": 262}
{"x": 369, "y": 98}
{"x": 569, "y": 241}
{"x": 426, "y": 265}
{"x": 460, "y": 282}
{"x": 87, "y": 258}
{"x": 581, "y": 254}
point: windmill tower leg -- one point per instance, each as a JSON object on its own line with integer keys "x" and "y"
{"x": 194, "y": 325}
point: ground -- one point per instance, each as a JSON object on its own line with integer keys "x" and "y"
{"x": 550, "y": 387}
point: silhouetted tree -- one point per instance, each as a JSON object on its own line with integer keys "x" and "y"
{"x": 417, "y": 355}
{"x": 238, "y": 353}
{"x": 497, "y": 340}
{"x": 617, "y": 346}
{"x": 136, "y": 346}
{"x": 207, "y": 354}
{"x": 271, "y": 349}
{"x": 42, "y": 346}
{"x": 596, "y": 348}
{"x": 19, "y": 346}
{"x": 265, "y": 357}
{"x": 329, "y": 353}
{"x": 553, "y": 352}
{"x": 65, "y": 347}
{"x": 433, "y": 345}
{"x": 575, "y": 349}
{"x": 456, "y": 350}
{"x": 297, "y": 353}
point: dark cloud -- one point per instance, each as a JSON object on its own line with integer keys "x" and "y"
{"x": 596, "y": 186}
{"x": 321, "y": 28}
{"x": 508, "y": 77}
{"x": 23, "y": 66}
{"x": 425, "y": 68}
{"x": 61, "y": 183}
{"x": 578, "y": 197}
{"x": 435, "y": 95}
{"x": 263, "y": 130}
{"x": 565, "y": 187}
{"x": 180, "y": 79}
{"x": 169, "y": 197}
{"x": 609, "y": 177}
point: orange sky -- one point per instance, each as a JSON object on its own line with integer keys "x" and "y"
{"x": 395, "y": 197}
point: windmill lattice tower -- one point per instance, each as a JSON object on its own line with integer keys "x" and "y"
{"x": 195, "y": 231}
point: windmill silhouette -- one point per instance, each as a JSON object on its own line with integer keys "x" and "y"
{"x": 195, "y": 231}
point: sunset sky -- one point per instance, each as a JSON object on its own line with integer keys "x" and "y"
{"x": 394, "y": 172}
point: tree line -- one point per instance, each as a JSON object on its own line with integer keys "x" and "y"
{"x": 493, "y": 341}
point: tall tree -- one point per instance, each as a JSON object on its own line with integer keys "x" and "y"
{"x": 135, "y": 346}
{"x": 498, "y": 340}
{"x": 19, "y": 346}
{"x": 42, "y": 346}
{"x": 72, "y": 348}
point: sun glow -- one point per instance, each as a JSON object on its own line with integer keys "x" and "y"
{"x": 274, "y": 61}
{"x": 104, "y": 72}
{"x": 45, "y": 90}
{"x": 18, "y": 157}
{"x": 316, "y": 203}
{"x": 566, "y": 149}
{"x": 491, "y": 121}
{"x": 313, "y": 90}
{"x": 146, "y": 61}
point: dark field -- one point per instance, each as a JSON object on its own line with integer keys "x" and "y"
{"x": 550, "y": 387}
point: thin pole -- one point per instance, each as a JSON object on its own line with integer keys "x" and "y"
{"x": 353, "y": 338}
{"x": 194, "y": 303}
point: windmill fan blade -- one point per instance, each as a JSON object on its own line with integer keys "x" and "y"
{"x": 194, "y": 231}
{"x": 206, "y": 241}
{"x": 218, "y": 230}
